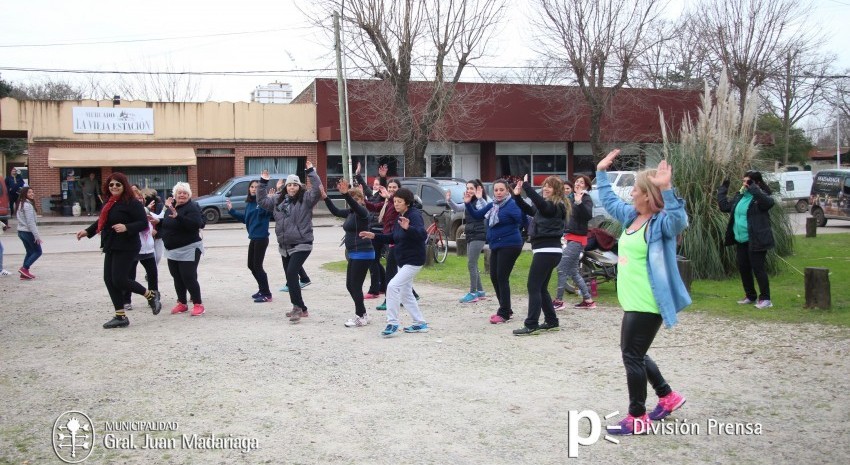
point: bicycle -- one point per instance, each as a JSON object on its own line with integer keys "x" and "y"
{"x": 438, "y": 238}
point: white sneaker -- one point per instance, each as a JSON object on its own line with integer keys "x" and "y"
{"x": 764, "y": 304}
{"x": 128, "y": 306}
{"x": 4, "y": 273}
{"x": 357, "y": 321}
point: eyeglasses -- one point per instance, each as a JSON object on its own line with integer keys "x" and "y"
{"x": 115, "y": 184}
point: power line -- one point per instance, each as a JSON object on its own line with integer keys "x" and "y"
{"x": 155, "y": 39}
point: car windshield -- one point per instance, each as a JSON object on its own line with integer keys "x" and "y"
{"x": 222, "y": 189}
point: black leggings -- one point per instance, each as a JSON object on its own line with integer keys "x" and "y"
{"x": 539, "y": 274}
{"x": 185, "y": 276}
{"x": 116, "y": 272}
{"x": 256, "y": 256}
{"x": 753, "y": 263}
{"x": 292, "y": 267}
{"x": 149, "y": 264}
{"x": 502, "y": 263}
{"x": 378, "y": 281}
{"x": 392, "y": 270}
{"x": 355, "y": 276}
{"x": 636, "y": 335}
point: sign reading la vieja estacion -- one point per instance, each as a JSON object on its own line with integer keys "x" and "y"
{"x": 95, "y": 120}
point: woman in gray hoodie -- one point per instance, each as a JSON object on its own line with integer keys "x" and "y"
{"x": 28, "y": 231}
{"x": 292, "y": 206}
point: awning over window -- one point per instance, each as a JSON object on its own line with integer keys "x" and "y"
{"x": 155, "y": 156}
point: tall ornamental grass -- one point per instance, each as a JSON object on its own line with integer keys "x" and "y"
{"x": 719, "y": 144}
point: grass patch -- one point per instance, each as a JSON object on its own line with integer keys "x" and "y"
{"x": 716, "y": 297}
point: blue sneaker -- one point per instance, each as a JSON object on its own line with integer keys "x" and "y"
{"x": 285, "y": 288}
{"x": 390, "y": 330}
{"x": 303, "y": 285}
{"x": 482, "y": 294}
{"x": 382, "y": 307}
{"x": 469, "y": 298}
{"x": 416, "y": 328}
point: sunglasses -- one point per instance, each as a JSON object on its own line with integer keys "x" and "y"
{"x": 115, "y": 184}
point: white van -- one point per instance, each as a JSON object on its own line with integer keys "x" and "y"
{"x": 793, "y": 187}
{"x": 622, "y": 183}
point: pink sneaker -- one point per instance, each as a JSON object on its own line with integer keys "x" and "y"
{"x": 197, "y": 310}
{"x": 369, "y": 295}
{"x": 585, "y": 304}
{"x": 25, "y": 272}
{"x": 666, "y": 406}
{"x": 497, "y": 319}
{"x": 631, "y": 425}
{"x": 179, "y": 308}
{"x": 558, "y": 304}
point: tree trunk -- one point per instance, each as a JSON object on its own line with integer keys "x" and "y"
{"x": 817, "y": 288}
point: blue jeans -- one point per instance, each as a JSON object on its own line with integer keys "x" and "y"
{"x": 33, "y": 249}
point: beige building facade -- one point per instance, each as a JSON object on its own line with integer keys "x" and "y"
{"x": 155, "y": 143}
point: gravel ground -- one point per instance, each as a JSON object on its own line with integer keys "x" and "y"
{"x": 466, "y": 393}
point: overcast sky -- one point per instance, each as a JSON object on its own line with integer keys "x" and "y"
{"x": 253, "y": 35}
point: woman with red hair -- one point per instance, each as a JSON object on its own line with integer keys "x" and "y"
{"x": 121, "y": 220}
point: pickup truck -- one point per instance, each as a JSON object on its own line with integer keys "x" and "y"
{"x": 622, "y": 183}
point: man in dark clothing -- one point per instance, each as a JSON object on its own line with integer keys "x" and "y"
{"x": 14, "y": 183}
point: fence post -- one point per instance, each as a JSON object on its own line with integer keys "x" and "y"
{"x": 816, "y": 282}
{"x": 811, "y": 227}
{"x": 685, "y": 272}
{"x": 429, "y": 253}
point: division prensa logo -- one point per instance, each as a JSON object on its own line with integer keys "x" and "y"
{"x": 73, "y": 437}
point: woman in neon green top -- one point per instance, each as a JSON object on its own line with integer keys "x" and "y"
{"x": 649, "y": 286}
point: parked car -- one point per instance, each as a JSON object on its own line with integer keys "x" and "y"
{"x": 214, "y": 205}
{"x": 622, "y": 183}
{"x": 793, "y": 187}
{"x": 431, "y": 192}
{"x": 830, "y": 197}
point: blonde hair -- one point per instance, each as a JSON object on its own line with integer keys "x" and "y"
{"x": 642, "y": 182}
{"x": 356, "y": 193}
{"x": 182, "y": 186}
{"x": 558, "y": 197}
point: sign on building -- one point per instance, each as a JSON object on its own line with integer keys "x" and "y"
{"x": 96, "y": 120}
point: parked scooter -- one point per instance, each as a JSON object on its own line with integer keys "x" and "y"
{"x": 599, "y": 259}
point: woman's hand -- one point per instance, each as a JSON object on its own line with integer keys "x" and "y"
{"x": 448, "y": 195}
{"x": 323, "y": 193}
{"x": 152, "y": 205}
{"x": 467, "y": 197}
{"x": 229, "y": 205}
{"x": 385, "y": 193}
{"x": 479, "y": 192}
{"x": 357, "y": 169}
{"x": 518, "y": 187}
{"x": 342, "y": 186}
{"x": 382, "y": 170}
{"x": 606, "y": 162}
{"x": 367, "y": 234}
{"x": 81, "y": 234}
{"x": 404, "y": 222}
{"x": 308, "y": 164}
{"x": 280, "y": 184}
{"x": 663, "y": 176}
{"x": 578, "y": 194}
{"x": 119, "y": 228}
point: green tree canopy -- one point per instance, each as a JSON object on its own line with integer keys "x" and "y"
{"x": 798, "y": 144}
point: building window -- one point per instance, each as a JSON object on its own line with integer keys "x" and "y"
{"x": 159, "y": 178}
{"x": 441, "y": 166}
{"x": 215, "y": 151}
{"x": 368, "y": 166}
{"x": 278, "y": 165}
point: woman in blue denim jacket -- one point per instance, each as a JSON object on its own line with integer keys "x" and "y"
{"x": 649, "y": 286}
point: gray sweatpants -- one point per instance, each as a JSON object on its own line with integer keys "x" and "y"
{"x": 569, "y": 268}
{"x": 473, "y": 251}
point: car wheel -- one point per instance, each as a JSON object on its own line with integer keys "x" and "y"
{"x": 211, "y": 215}
{"x": 819, "y": 216}
{"x": 460, "y": 232}
{"x": 802, "y": 206}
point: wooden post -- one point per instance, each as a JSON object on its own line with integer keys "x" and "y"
{"x": 818, "y": 293}
{"x": 487, "y": 260}
{"x": 685, "y": 272}
{"x": 460, "y": 246}
{"x": 811, "y": 227}
{"x": 429, "y": 254}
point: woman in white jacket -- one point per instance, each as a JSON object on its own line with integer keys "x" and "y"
{"x": 28, "y": 230}
{"x": 146, "y": 257}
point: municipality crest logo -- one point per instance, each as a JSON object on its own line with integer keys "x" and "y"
{"x": 73, "y": 437}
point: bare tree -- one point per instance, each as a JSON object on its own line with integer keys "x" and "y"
{"x": 47, "y": 89}
{"x": 599, "y": 42}
{"x": 166, "y": 84}
{"x": 400, "y": 41}
{"x": 800, "y": 87}
{"x": 677, "y": 61}
{"x": 749, "y": 38}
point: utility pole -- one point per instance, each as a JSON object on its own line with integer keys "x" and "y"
{"x": 838, "y": 141}
{"x": 343, "y": 104}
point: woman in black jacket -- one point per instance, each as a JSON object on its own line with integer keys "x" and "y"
{"x": 476, "y": 233}
{"x": 121, "y": 220}
{"x": 361, "y": 254}
{"x": 750, "y": 231}
{"x": 180, "y": 229}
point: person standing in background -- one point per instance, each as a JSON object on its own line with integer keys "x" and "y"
{"x": 90, "y": 189}
{"x": 14, "y": 184}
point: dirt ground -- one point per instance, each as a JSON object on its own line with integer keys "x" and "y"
{"x": 468, "y": 392}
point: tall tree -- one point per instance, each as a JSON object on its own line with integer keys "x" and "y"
{"x": 599, "y": 43}
{"x": 749, "y": 38}
{"x": 46, "y": 89}
{"x": 398, "y": 41}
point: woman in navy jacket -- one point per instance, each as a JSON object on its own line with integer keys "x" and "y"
{"x": 503, "y": 219}
{"x": 256, "y": 220}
